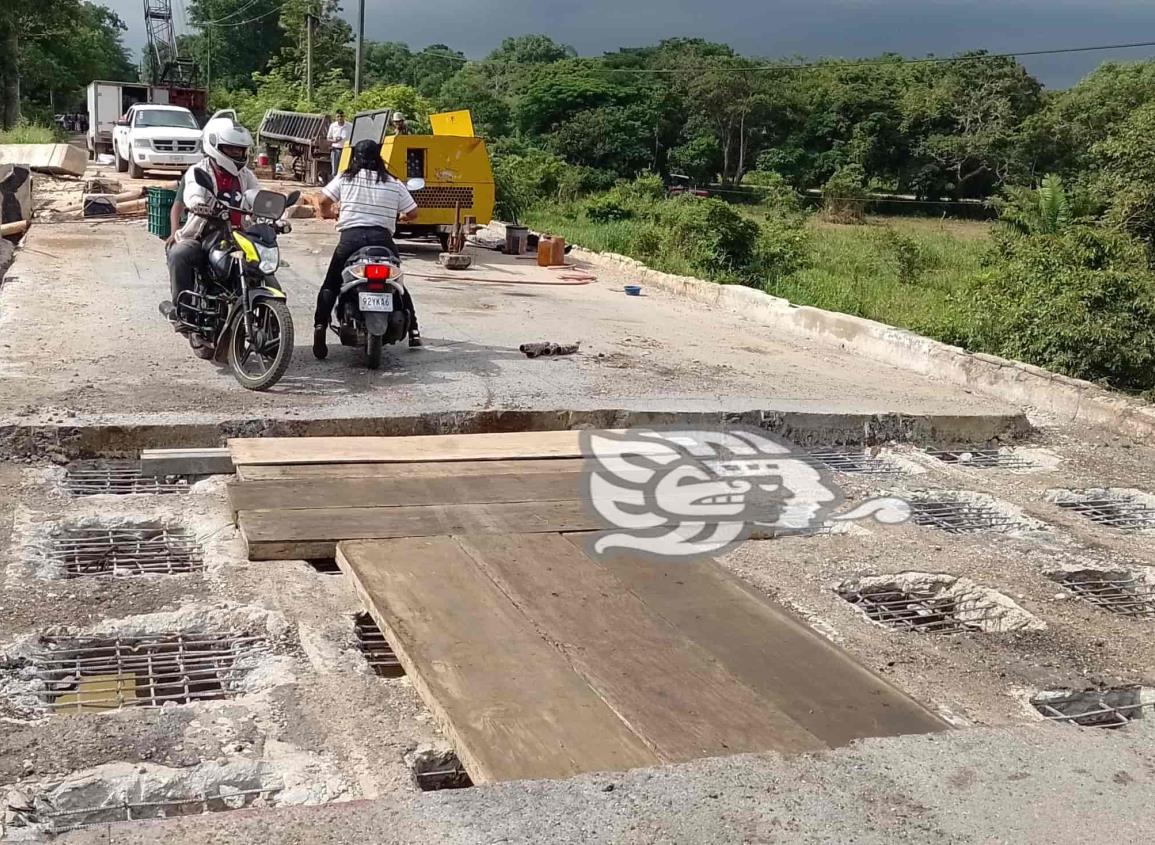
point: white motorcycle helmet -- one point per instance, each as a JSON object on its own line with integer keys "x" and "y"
{"x": 227, "y": 143}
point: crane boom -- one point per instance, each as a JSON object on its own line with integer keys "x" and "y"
{"x": 168, "y": 67}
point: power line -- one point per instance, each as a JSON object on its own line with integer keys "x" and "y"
{"x": 231, "y": 14}
{"x": 254, "y": 19}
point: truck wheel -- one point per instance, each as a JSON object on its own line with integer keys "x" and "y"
{"x": 135, "y": 172}
{"x": 121, "y": 164}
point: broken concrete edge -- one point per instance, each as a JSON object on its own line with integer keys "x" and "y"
{"x": 49, "y": 158}
{"x": 67, "y": 442}
{"x": 1011, "y": 381}
{"x": 7, "y": 256}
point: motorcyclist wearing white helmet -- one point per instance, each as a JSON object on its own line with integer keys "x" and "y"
{"x": 226, "y": 145}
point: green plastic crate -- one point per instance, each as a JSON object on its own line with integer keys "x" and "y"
{"x": 160, "y": 202}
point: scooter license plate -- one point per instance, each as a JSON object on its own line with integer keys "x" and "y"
{"x": 376, "y": 301}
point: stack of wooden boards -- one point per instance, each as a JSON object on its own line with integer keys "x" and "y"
{"x": 539, "y": 659}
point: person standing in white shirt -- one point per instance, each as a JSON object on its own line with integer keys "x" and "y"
{"x": 339, "y": 133}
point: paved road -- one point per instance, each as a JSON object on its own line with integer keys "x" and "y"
{"x": 79, "y": 330}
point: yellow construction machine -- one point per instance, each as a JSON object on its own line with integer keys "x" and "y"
{"x": 453, "y": 161}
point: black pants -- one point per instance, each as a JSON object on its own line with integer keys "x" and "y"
{"x": 351, "y": 241}
{"x": 183, "y": 260}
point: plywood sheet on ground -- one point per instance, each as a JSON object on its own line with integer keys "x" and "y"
{"x": 312, "y": 534}
{"x": 466, "y": 447}
{"x": 439, "y": 469}
{"x": 690, "y": 660}
{"x": 666, "y": 687}
{"x": 762, "y": 644}
{"x": 298, "y": 494}
{"x": 508, "y": 700}
{"x": 449, "y": 447}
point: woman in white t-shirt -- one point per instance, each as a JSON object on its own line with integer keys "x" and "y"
{"x": 372, "y": 201}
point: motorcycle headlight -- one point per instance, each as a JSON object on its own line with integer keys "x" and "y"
{"x": 268, "y": 258}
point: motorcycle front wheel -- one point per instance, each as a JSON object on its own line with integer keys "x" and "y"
{"x": 259, "y": 362}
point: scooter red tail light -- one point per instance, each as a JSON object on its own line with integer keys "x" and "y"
{"x": 377, "y": 271}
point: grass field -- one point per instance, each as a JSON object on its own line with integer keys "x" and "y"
{"x": 902, "y": 271}
{"x": 28, "y": 133}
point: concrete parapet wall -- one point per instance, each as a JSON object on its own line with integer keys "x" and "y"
{"x": 1012, "y": 381}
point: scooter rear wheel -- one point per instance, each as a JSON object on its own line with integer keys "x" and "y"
{"x": 373, "y": 346}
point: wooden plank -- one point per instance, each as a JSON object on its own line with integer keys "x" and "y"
{"x": 667, "y": 688}
{"x": 771, "y": 651}
{"x": 439, "y": 469}
{"x": 161, "y": 462}
{"x": 314, "y": 534}
{"x": 508, "y": 701}
{"x": 394, "y": 492}
{"x": 446, "y": 447}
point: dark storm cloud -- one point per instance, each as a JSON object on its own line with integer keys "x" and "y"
{"x": 756, "y": 27}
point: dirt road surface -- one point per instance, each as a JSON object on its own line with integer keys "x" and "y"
{"x": 81, "y": 339}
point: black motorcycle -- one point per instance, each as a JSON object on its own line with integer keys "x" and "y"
{"x": 372, "y": 308}
{"x": 237, "y": 311}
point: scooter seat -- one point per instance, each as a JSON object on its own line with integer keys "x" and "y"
{"x": 372, "y": 253}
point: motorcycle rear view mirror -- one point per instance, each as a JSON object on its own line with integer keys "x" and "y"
{"x": 293, "y": 198}
{"x": 269, "y": 204}
{"x": 415, "y": 184}
{"x": 202, "y": 179}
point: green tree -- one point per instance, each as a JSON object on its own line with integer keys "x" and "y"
{"x": 50, "y": 50}
{"x": 332, "y": 38}
{"x": 388, "y": 63}
{"x": 969, "y": 115}
{"x": 1072, "y": 122}
{"x": 559, "y": 94}
{"x": 236, "y": 38}
{"x": 433, "y": 66}
{"x": 613, "y": 138}
{"x": 1125, "y": 177}
{"x": 472, "y": 88}
{"x": 531, "y": 49}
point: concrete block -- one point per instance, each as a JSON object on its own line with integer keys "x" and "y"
{"x": 47, "y": 158}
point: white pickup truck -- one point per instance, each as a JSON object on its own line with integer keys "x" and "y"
{"x": 155, "y": 137}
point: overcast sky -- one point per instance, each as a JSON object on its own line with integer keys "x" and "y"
{"x": 770, "y": 28}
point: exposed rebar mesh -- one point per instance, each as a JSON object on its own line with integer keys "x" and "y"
{"x": 63, "y": 821}
{"x": 375, "y": 647}
{"x": 984, "y": 458}
{"x": 1123, "y": 593}
{"x": 125, "y": 550}
{"x": 93, "y": 478}
{"x": 110, "y": 673}
{"x": 960, "y": 516}
{"x": 1112, "y": 509}
{"x": 854, "y": 462}
{"x": 1108, "y": 708}
{"x": 905, "y": 611}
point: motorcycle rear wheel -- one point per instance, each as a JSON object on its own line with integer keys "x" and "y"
{"x": 259, "y": 365}
{"x": 373, "y": 345}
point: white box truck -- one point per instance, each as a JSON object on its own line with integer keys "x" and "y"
{"x": 108, "y": 102}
